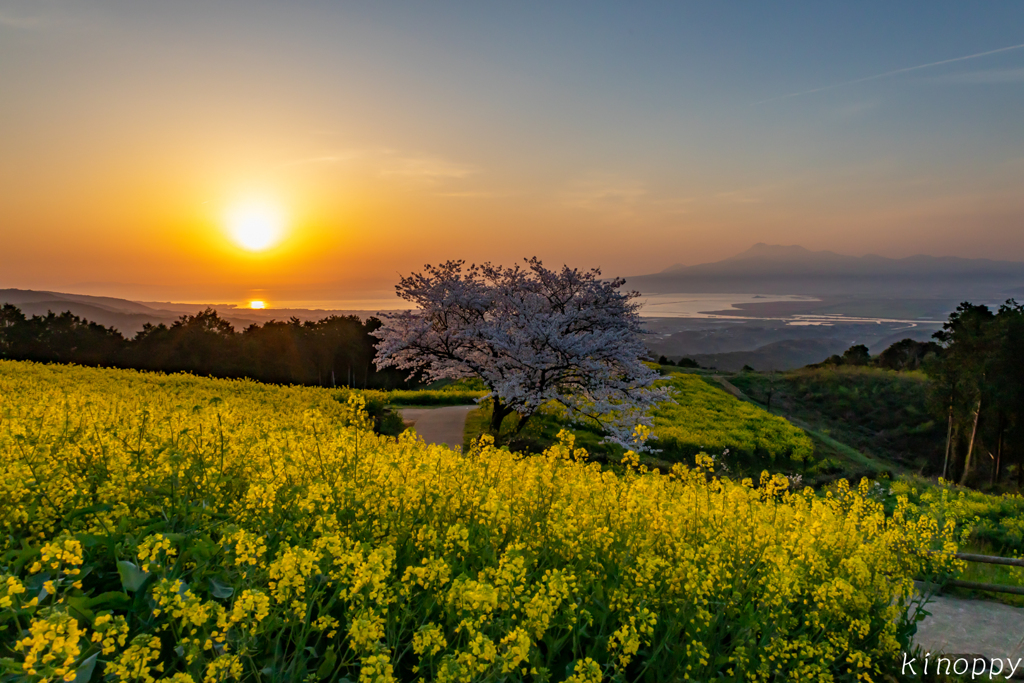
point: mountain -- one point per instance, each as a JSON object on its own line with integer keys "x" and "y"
{"x": 776, "y": 269}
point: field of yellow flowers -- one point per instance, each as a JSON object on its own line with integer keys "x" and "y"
{"x": 704, "y": 418}
{"x": 182, "y": 529}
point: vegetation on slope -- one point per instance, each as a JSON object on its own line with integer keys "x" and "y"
{"x": 702, "y": 418}
{"x": 883, "y": 413}
{"x": 205, "y": 530}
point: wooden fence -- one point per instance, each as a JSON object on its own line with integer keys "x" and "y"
{"x": 990, "y": 587}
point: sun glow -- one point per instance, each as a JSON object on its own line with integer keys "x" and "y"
{"x": 257, "y": 304}
{"x": 256, "y": 225}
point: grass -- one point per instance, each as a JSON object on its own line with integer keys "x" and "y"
{"x": 880, "y": 414}
{"x": 701, "y": 418}
{"x": 540, "y": 433}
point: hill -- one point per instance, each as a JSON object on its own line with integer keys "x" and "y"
{"x": 881, "y": 413}
{"x": 787, "y": 354}
{"x": 128, "y": 317}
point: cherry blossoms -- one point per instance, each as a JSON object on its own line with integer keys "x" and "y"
{"x": 533, "y": 336}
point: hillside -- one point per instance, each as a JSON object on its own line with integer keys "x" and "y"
{"x": 787, "y": 354}
{"x": 881, "y": 413}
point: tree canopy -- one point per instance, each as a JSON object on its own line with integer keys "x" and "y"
{"x": 532, "y": 335}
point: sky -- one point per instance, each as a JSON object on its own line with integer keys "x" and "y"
{"x": 372, "y": 138}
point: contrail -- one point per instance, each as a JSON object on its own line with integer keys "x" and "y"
{"x": 892, "y": 73}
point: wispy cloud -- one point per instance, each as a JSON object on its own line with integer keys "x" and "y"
{"x": 11, "y": 21}
{"x": 739, "y": 197}
{"x": 621, "y": 199}
{"x": 602, "y": 193}
{"x": 888, "y": 74}
{"x": 983, "y": 77}
{"x": 316, "y": 160}
{"x": 424, "y": 168}
{"x": 389, "y": 163}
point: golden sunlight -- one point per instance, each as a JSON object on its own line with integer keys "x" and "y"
{"x": 256, "y": 225}
{"x": 257, "y": 304}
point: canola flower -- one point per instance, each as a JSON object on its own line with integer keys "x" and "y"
{"x": 704, "y": 418}
{"x": 176, "y": 528}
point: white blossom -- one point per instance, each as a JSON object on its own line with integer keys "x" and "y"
{"x": 532, "y": 335}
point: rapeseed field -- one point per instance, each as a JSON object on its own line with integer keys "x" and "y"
{"x": 704, "y": 418}
{"x": 182, "y": 529}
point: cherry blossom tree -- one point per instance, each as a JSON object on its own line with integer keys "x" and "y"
{"x": 532, "y": 335}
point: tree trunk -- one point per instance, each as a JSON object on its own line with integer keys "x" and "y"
{"x": 1020, "y": 468}
{"x": 522, "y": 423}
{"x": 970, "y": 447}
{"x": 999, "y": 454}
{"x": 949, "y": 434}
{"x": 498, "y": 415}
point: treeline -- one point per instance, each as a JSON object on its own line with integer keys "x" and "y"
{"x": 334, "y": 351}
{"x": 906, "y": 354}
{"x": 976, "y": 372}
{"x": 978, "y": 389}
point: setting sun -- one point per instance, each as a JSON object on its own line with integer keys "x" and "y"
{"x": 256, "y": 225}
{"x": 257, "y": 304}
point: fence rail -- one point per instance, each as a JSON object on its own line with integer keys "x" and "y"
{"x": 989, "y": 587}
{"x": 990, "y": 559}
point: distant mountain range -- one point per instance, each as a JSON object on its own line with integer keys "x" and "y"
{"x": 775, "y": 269}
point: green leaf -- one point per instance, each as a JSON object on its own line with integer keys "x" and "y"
{"x": 84, "y": 671}
{"x": 110, "y": 599}
{"x": 221, "y": 590}
{"x": 327, "y": 666}
{"x": 132, "y": 578}
{"x": 79, "y": 608}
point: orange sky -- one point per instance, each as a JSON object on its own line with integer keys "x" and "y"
{"x": 391, "y": 140}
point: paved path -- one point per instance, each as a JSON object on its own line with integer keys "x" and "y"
{"x": 979, "y": 627}
{"x": 439, "y": 425}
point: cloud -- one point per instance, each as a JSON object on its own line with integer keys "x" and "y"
{"x": 391, "y": 164}
{"x": 316, "y": 160}
{"x": 894, "y": 72}
{"x": 601, "y": 193}
{"x": 621, "y": 199}
{"x": 423, "y": 168}
{"x": 983, "y": 77}
{"x": 19, "y": 22}
{"x": 739, "y": 197}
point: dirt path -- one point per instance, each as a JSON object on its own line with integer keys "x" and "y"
{"x": 731, "y": 388}
{"x": 439, "y": 425}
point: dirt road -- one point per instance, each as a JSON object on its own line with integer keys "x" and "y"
{"x": 439, "y": 425}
